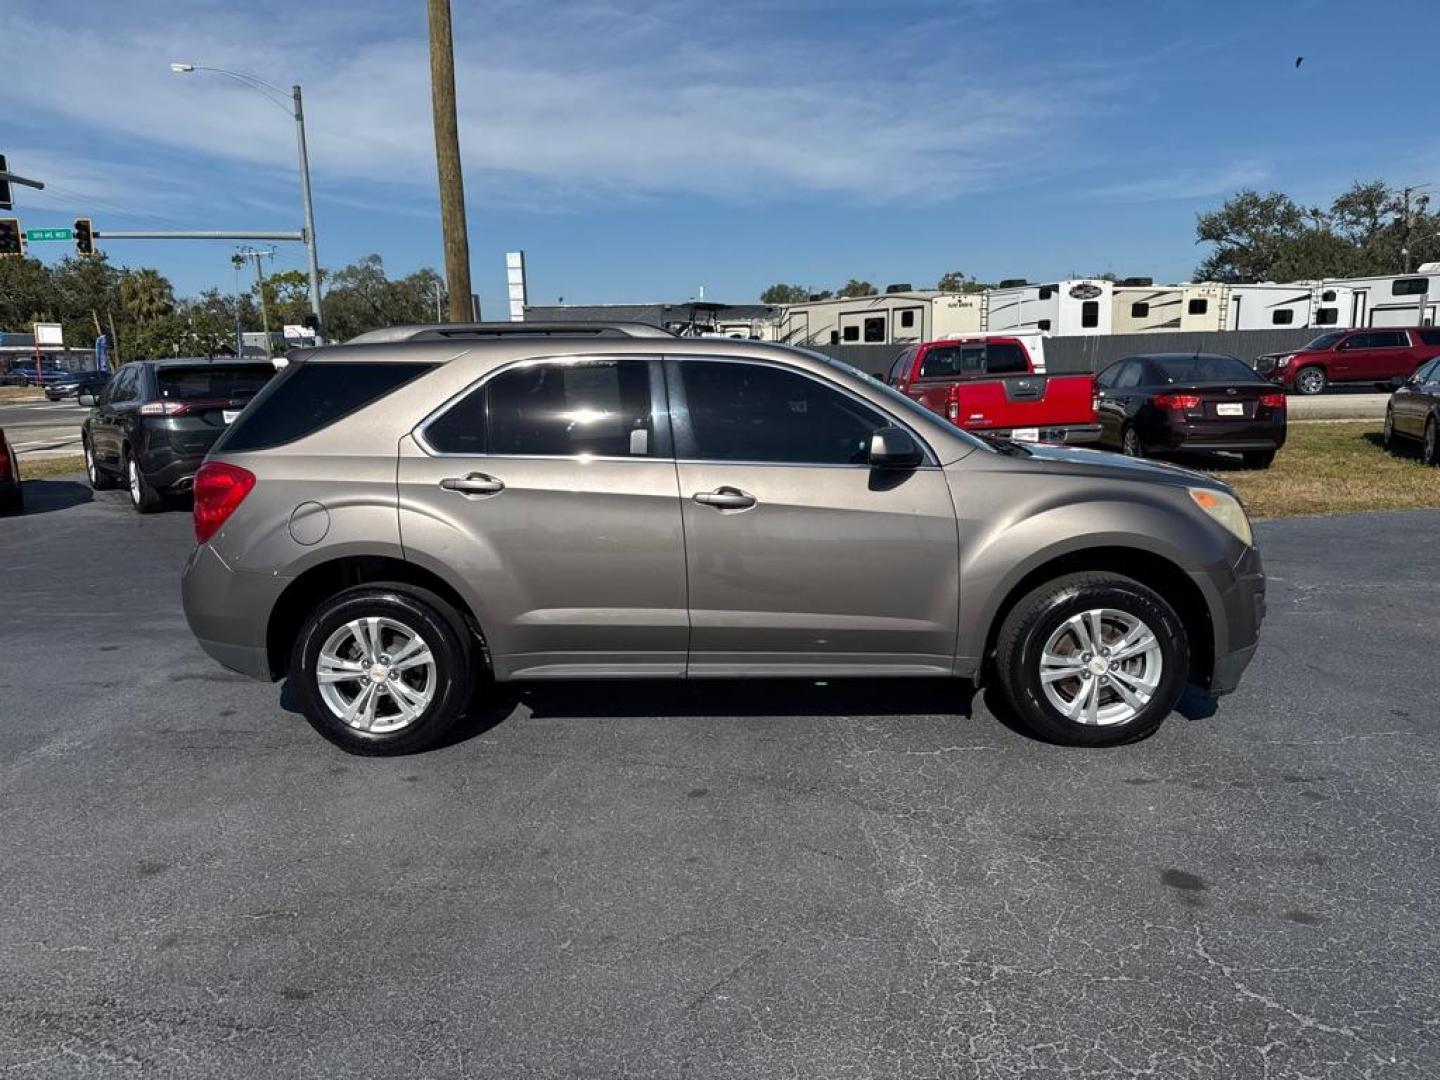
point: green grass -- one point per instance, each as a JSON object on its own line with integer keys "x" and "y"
{"x": 1335, "y": 467}
{"x": 21, "y": 393}
{"x": 33, "y": 468}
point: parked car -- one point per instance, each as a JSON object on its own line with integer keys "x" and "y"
{"x": 24, "y": 373}
{"x": 12, "y": 492}
{"x": 995, "y": 386}
{"x": 157, "y": 419}
{"x": 1351, "y": 356}
{"x": 1414, "y": 412}
{"x": 385, "y": 521}
{"x": 90, "y": 382}
{"x": 1175, "y": 402}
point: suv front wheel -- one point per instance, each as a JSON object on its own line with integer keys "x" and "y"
{"x": 1311, "y": 380}
{"x": 1092, "y": 659}
{"x": 383, "y": 669}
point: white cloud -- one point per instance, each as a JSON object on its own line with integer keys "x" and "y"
{"x": 560, "y": 104}
{"x": 1186, "y": 184}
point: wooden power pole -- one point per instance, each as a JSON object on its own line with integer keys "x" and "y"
{"x": 447, "y": 161}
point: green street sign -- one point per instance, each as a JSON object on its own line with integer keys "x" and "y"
{"x": 49, "y": 234}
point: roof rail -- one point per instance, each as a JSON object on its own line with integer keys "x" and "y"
{"x": 449, "y": 331}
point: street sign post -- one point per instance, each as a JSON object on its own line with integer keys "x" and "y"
{"x": 35, "y": 235}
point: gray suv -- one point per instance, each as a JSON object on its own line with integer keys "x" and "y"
{"x": 386, "y": 522}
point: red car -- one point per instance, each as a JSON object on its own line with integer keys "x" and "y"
{"x": 12, "y": 495}
{"x": 994, "y": 386}
{"x": 1370, "y": 355}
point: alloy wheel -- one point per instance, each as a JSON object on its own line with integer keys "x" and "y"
{"x": 1101, "y": 667}
{"x": 1432, "y": 437}
{"x": 376, "y": 674}
{"x": 133, "y": 472}
{"x": 1311, "y": 381}
{"x": 90, "y": 473}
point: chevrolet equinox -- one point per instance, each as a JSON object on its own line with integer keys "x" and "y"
{"x": 387, "y": 521}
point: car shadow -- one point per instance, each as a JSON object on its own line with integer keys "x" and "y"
{"x": 48, "y": 496}
{"x": 494, "y": 703}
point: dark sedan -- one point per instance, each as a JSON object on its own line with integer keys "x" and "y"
{"x": 1414, "y": 412}
{"x": 1176, "y": 402}
{"x": 77, "y": 383}
{"x": 157, "y": 419}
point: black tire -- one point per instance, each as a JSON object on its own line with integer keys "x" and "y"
{"x": 1311, "y": 380}
{"x": 13, "y": 502}
{"x": 1259, "y": 459}
{"x": 144, "y": 498}
{"x": 420, "y": 612}
{"x": 1130, "y": 442}
{"x": 1041, "y": 613}
{"x": 99, "y": 479}
{"x": 1430, "y": 448}
{"x": 1387, "y": 436}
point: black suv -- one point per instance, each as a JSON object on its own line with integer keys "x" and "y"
{"x": 157, "y": 419}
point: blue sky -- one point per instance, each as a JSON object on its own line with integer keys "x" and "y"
{"x": 640, "y": 151}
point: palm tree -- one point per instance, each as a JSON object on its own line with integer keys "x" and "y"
{"x": 146, "y": 295}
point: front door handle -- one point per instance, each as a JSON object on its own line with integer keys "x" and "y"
{"x": 475, "y": 483}
{"x": 726, "y": 498}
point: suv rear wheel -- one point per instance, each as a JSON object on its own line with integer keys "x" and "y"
{"x": 1311, "y": 380}
{"x": 143, "y": 497}
{"x": 1092, "y": 659}
{"x": 383, "y": 669}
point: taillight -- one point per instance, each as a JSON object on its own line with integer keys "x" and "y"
{"x": 164, "y": 408}
{"x": 952, "y": 405}
{"x": 1177, "y": 401}
{"x": 219, "y": 489}
{"x": 1273, "y": 401}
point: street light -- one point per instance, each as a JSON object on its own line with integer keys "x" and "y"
{"x": 292, "y": 104}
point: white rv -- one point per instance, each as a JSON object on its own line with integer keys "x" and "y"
{"x": 894, "y": 318}
{"x": 1392, "y": 300}
{"x": 1265, "y": 306}
{"x": 1143, "y": 309}
{"x": 1076, "y": 306}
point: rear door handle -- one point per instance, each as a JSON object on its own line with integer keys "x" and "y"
{"x": 474, "y": 484}
{"x": 726, "y": 498}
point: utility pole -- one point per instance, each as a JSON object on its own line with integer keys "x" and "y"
{"x": 447, "y": 160}
{"x": 1406, "y": 192}
{"x": 257, "y": 255}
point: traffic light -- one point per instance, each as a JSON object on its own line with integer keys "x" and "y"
{"x": 84, "y": 237}
{"x": 12, "y": 238}
{"x": 6, "y": 201}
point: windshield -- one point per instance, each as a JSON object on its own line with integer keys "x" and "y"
{"x": 1324, "y": 341}
{"x": 212, "y": 381}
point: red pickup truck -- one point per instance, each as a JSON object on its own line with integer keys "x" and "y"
{"x": 997, "y": 385}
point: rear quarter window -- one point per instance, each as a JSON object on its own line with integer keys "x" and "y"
{"x": 306, "y": 397}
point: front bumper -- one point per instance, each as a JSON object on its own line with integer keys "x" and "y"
{"x": 1242, "y": 610}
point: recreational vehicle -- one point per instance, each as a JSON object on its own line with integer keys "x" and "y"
{"x": 898, "y": 317}
{"x": 1392, "y": 300}
{"x": 1141, "y": 309}
{"x": 1076, "y": 306}
{"x": 1265, "y": 306}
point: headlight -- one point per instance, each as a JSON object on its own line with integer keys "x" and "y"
{"x": 1225, "y": 509}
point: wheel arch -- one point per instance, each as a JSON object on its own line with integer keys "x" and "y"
{"x": 326, "y": 579}
{"x": 1150, "y": 568}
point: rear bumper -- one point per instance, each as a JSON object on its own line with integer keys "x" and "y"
{"x": 1268, "y": 434}
{"x": 1069, "y": 434}
{"x": 229, "y": 611}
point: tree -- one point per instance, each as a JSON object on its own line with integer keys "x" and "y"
{"x": 1250, "y": 232}
{"x": 856, "y": 288}
{"x": 146, "y": 295}
{"x": 785, "y": 294}
{"x": 362, "y": 298}
{"x": 956, "y": 281}
{"x": 287, "y": 298}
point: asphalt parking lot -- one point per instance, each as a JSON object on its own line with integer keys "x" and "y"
{"x": 746, "y": 880}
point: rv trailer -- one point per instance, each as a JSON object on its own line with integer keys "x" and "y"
{"x": 1265, "y": 306}
{"x": 1390, "y": 300}
{"x": 898, "y": 317}
{"x": 1075, "y": 306}
{"x": 1144, "y": 309}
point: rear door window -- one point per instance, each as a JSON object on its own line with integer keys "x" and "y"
{"x": 600, "y": 408}
{"x": 306, "y": 397}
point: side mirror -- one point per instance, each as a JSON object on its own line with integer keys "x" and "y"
{"x": 893, "y": 448}
{"x": 1397, "y": 381}
{"x": 85, "y": 398}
